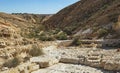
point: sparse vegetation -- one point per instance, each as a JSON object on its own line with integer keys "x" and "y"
{"x": 68, "y": 30}
{"x": 57, "y": 30}
{"x": 49, "y": 35}
{"x": 75, "y": 42}
{"x": 36, "y": 51}
{"x": 33, "y": 31}
{"x": 12, "y": 63}
{"x": 46, "y": 36}
{"x": 61, "y": 36}
{"x": 102, "y": 32}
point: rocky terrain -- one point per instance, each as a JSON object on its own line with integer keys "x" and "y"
{"x": 70, "y": 59}
{"x": 33, "y": 18}
{"x": 14, "y": 47}
{"x": 81, "y": 38}
{"x": 25, "y": 22}
{"x": 93, "y": 18}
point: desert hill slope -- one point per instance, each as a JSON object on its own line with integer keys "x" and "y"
{"x": 25, "y": 22}
{"x": 95, "y": 18}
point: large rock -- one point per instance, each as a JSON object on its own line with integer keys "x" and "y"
{"x": 44, "y": 61}
{"x": 64, "y": 43}
{"x": 27, "y": 67}
{"x": 33, "y": 68}
{"x": 70, "y": 60}
{"x": 112, "y": 65}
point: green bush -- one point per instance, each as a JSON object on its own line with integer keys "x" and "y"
{"x": 102, "y": 32}
{"x": 56, "y": 31}
{"x": 12, "y": 63}
{"x": 31, "y": 35}
{"x": 33, "y": 31}
{"x": 40, "y": 28}
{"x": 68, "y": 31}
{"x": 75, "y": 42}
{"x": 42, "y": 38}
{"x": 61, "y": 36}
{"x": 36, "y": 51}
{"x": 46, "y": 36}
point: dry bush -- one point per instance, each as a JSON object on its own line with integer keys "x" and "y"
{"x": 61, "y": 36}
{"x": 36, "y": 51}
{"x": 12, "y": 63}
{"x": 75, "y": 42}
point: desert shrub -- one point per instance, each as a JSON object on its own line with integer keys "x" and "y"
{"x": 31, "y": 35}
{"x": 46, "y": 36}
{"x": 35, "y": 51}
{"x": 61, "y": 36}
{"x": 102, "y": 32}
{"x": 33, "y": 31}
{"x": 50, "y": 38}
{"x": 12, "y": 63}
{"x": 56, "y": 31}
{"x": 40, "y": 28}
{"x": 43, "y": 38}
{"x": 68, "y": 30}
{"x": 75, "y": 42}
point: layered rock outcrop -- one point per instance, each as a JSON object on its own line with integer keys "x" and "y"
{"x": 12, "y": 43}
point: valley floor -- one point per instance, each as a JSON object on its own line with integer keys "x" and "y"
{"x": 71, "y": 60}
{"x": 70, "y": 68}
{"x": 78, "y": 60}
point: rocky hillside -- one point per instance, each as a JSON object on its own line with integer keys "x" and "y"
{"x": 25, "y": 22}
{"x": 33, "y": 18}
{"x": 93, "y": 18}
